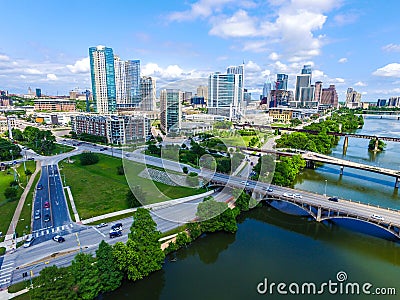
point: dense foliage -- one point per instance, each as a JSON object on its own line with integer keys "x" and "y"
{"x": 135, "y": 196}
{"x": 381, "y": 145}
{"x": 8, "y": 150}
{"x": 89, "y": 137}
{"x": 216, "y": 216}
{"x": 41, "y": 141}
{"x": 88, "y": 158}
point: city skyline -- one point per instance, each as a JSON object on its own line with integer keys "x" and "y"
{"x": 346, "y": 43}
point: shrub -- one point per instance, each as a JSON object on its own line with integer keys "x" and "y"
{"x": 88, "y": 158}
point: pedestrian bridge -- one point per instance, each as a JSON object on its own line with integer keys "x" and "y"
{"x": 316, "y": 205}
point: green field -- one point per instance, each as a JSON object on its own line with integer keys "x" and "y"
{"x": 7, "y": 209}
{"x": 97, "y": 189}
{"x": 58, "y": 149}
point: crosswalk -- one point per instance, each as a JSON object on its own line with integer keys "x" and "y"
{"x": 5, "y": 273}
{"x": 50, "y": 230}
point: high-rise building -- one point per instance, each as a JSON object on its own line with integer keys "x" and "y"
{"x": 381, "y": 102}
{"x": 267, "y": 88}
{"x": 394, "y": 101}
{"x": 171, "y": 109}
{"x": 225, "y": 94}
{"x": 187, "y": 96}
{"x": 329, "y": 96}
{"x": 202, "y": 91}
{"x": 148, "y": 92}
{"x": 103, "y": 78}
{"x": 120, "y": 81}
{"x": 127, "y": 82}
{"x": 318, "y": 91}
{"x": 304, "y": 92}
{"x": 306, "y": 70}
{"x": 38, "y": 93}
{"x": 353, "y": 98}
{"x": 282, "y": 81}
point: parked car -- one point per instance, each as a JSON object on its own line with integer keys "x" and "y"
{"x": 47, "y": 204}
{"x": 377, "y": 217}
{"x": 334, "y": 199}
{"x": 58, "y": 238}
{"x": 29, "y": 241}
{"x": 39, "y": 186}
{"x": 101, "y": 225}
{"x": 37, "y": 215}
{"x": 115, "y": 233}
{"x": 46, "y": 218}
{"x": 117, "y": 226}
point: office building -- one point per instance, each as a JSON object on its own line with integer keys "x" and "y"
{"x": 148, "y": 93}
{"x": 318, "y": 91}
{"x": 394, "y": 102}
{"x": 225, "y": 94}
{"x": 353, "y": 98}
{"x": 381, "y": 102}
{"x": 329, "y": 96}
{"x": 267, "y": 88}
{"x": 54, "y": 105}
{"x": 38, "y": 93}
{"x": 202, "y": 91}
{"x": 170, "y": 109}
{"x": 282, "y": 82}
{"x": 127, "y": 83}
{"x": 103, "y": 79}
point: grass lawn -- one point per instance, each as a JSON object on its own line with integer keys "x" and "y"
{"x": 98, "y": 189}
{"x": 7, "y": 209}
{"x": 61, "y": 149}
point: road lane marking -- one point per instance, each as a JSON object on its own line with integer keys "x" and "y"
{"x": 62, "y": 227}
{"x": 99, "y": 231}
{"x": 8, "y": 264}
{"x": 42, "y": 233}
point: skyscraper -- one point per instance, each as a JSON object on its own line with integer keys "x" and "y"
{"x": 127, "y": 82}
{"x": 353, "y": 98}
{"x": 318, "y": 91}
{"x": 267, "y": 88}
{"x": 120, "y": 81}
{"x": 225, "y": 94}
{"x": 306, "y": 70}
{"x": 171, "y": 109}
{"x": 329, "y": 96}
{"x": 148, "y": 92}
{"x": 103, "y": 78}
{"x": 202, "y": 91}
{"x": 304, "y": 92}
{"x": 282, "y": 81}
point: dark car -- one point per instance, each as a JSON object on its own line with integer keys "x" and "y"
{"x": 58, "y": 238}
{"x": 115, "y": 233}
{"x": 334, "y": 199}
{"x": 117, "y": 226}
{"x": 46, "y": 204}
{"x": 46, "y": 218}
{"x": 39, "y": 186}
{"x": 37, "y": 214}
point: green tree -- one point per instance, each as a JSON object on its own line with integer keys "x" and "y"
{"x": 28, "y": 172}
{"x": 88, "y": 158}
{"x": 242, "y": 199}
{"x": 53, "y": 283}
{"x": 194, "y": 230}
{"x": 185, "y": 170}
{"x": 216, "y": 216}
{"x": 110, "y": 276}
{"x": 135, "y": 196}
{"x": 85, "y": 276}
{"x": 120, "y": 170}
{"x": 17, "y": 134}
{"x": 11, "y": 193}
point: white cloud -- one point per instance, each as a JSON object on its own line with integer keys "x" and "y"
{"x": 52, "y": 77}
{"x": 4, "y": 57}
{"x": 360, "y": 83}
{"x": 200, "y": 9}
{"x": 342, "y": 60}
{"x": 33, "y": 71}
{"x": 80, "y": 66}
{"x": 255, "y": 46}
{"x": 274, "y": 56}
{"x": 345, "y": 19}
{"x": 339, "y": 80}
{"x": 239, "y": 25}
{"x": 252, "y": 67}
{"x": 22, "y": 76}
{"x": 390, "y": 70}
{"x": 391, "y": 48}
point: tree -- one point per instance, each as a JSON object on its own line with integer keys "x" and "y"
{"x": 120, "y": 170}
{"x": 88, "y": 158}
{"x": 242, "y": 199}
{"x": 28, "y": 172}
{"x": 185, "y": 170}
{"x": 10, "y": 193}
{"x": 135, "y": 196}
{"x": 110, "y": 276}
{"x": 216, "y": 216}
{"x": 85, "y": 276}
{"x": 53, "y": 283}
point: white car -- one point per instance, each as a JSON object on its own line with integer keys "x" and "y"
{"x": 288, "y": 195}
{"x": 377, "y": 217}
{"x": 29, "y": 241}
{"x": 245, "y": 183}
{"x": 297, "y": 196}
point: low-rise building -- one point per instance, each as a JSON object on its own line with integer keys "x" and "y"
{"x": 54, "y": 105}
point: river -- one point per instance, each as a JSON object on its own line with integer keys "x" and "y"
{"x": 290, "y": 249}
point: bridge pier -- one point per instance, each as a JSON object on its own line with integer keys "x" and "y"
{"x": 310, "y": 164}
{"x": 376, "y": 145}
{"x": 345, "y": 144}
{"x": 341, "y": 170}
{"x": 319, "y": 214}
{"x": 396, "y": 184}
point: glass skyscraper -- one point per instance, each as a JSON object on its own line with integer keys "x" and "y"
{"x": 282, "y": 80}
{"x": 103, "y": 78}
{"x": 133, "y": 82}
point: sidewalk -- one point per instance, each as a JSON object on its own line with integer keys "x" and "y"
{"x": 8, "y": 241}
{"x": 71, "y": 200}
{"x": 4, "y": 295}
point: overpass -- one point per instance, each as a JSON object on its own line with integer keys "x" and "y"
{"x": 317, "y": 206}
{"x": 309, "y": 156}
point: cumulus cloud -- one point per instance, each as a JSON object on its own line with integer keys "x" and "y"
{"x": 4, "y": 57}
{"x": 274, "y": 56}
{"x": 255, "y": 46}
{"x": 391, "y": 48}
{"x": 342, "y": 60}
{"x": 390, "y": 70}
{"x": 200, "y": 9}
{"x": 339, "y": 80}
{"x": 238, "y": 25}
{"x": 80, "y": 66}
{"x": 360, "y": 83}
{"x": 52, "y": 77}
{"x": 33, "y": 71}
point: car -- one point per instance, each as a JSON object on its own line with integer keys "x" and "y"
{"x": 101, "y": 225}
{"x": 39, "y": 186}
{"x": 58, "y": 238}
{"x": 377, "y": 217}
{"x": 46, "y": 204}
{"x": 31, "y": 158}
{"x": 29, "y": 241}
{"x": 46, "y": 218}
{"x": 269, "y": 190}
{"x": 288, "y": 195}
{"x": 37, "y": 215}
{"x": 101, "y": 149}
{"x": 115, "y": 233}
{"x": 245, "y": 183}
{"x": 334, "y": 199}
{"x": 297, "y": 196}
{"x": 117, "y": 226}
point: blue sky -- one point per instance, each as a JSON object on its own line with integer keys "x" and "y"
{"x": 349, "y": 43}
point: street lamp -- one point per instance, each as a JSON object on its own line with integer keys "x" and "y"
{"x": 326, "y": 183}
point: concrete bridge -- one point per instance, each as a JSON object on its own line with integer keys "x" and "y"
{"x": 316, "y": 205}
{"x": 312, "y": 157}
